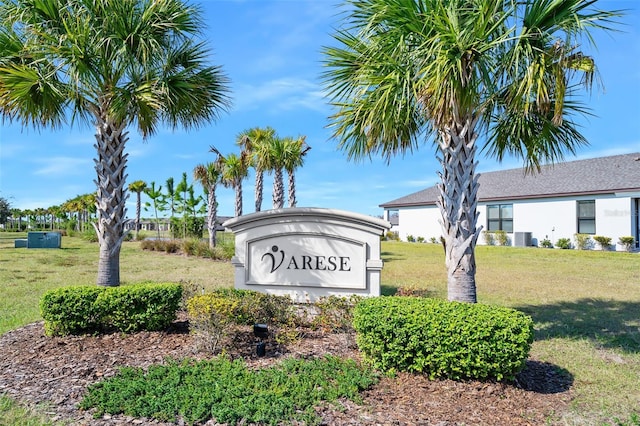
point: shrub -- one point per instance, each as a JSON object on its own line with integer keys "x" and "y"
{"x": 563, "y": 243}
{"x": 489, "y": 239}
{"x": 433, "y": 240}
{"x": 215, "y": 315}
{"x": 546, "y": 243}
{"x": 583, "y": 241}
{"x": 211, "y": 319}
{"x": 626, "y": 242}
{"x": 139, "y": 307}
{"x": 391, "y": 236}
{"x": 502, "y": 239}
{"x": 604, "y": 242}
{"x": 90, "y": 235}
{"x": 420, "y": 239}
{"x": 90, "y": 309}
{"x": 411, "y": 238}
{"x": 335, "y": 313}
{"x": 71, "y": 310}
{"x": 443, "y": 339}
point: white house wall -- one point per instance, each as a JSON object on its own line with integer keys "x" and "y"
{"x": 419, "y": 222}
{"x": 551, "y": 218}
{"x": 614, "y": 218}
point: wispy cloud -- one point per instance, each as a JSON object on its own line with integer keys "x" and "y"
{"x": 283, "y": 94}
{"x": 63, "y": 166}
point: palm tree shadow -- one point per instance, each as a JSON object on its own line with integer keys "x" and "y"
{"x": 609, "y": 324}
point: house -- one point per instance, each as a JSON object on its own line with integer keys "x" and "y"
{"x": 165, "y": 224}
{"x": 598, "y": 196}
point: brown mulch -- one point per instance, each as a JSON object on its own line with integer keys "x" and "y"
{"x": 54, "y": 372}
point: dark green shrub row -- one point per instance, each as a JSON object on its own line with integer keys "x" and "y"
{"x": 80, "y": 310}
{"x": 229, "y": 392}
{"x": 443, "y": 339}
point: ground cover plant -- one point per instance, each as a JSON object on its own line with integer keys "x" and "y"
{"x": 584, "y": 304}
{"x": 229, "y": 391}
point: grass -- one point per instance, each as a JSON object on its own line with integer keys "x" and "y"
{"x": 586, "y": 304}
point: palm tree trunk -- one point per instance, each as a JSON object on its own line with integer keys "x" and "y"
{"x": 138, "y": 214}
{"x": 292, "y": 189}
{"x": 212, "y": 214}
{"x": 111, "y": 198}
{"x": 458, "y": 206}
{"x": 278, "y": 190}
{"x": 238, "y": 187}
{"x": 259, "y": 186}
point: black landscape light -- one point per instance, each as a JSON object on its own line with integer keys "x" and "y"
{"x": 261, "y": 332}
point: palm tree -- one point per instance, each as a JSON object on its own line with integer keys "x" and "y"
{"x": 114, "y": 64}
{"x": 233, "y": 170}
{"x": 295, "y": 151}
{"x": 16, "y": 215}
{"x": 405, "y": 71}
{"x": 138, "y": 186}
{"x": 254, "y": 142}
{"x": 274, "y": 161}
{"x": 209, "y": 175}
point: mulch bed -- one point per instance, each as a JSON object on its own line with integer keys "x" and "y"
{"x": 55, "y": 372}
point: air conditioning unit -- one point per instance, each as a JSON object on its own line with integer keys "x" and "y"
{"x": 522, "y": 239}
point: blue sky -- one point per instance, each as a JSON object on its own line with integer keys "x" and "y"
{"x": 271, "y": 51}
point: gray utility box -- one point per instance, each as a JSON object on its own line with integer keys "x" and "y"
{"x": 44, "y": 240}
{"x": 20, "y": 243}
{"x": 522, "y": 239}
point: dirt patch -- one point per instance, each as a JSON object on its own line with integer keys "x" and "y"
{"x": 55, "y": 372}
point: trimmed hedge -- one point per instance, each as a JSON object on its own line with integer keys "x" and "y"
{"x": 443, "y": 339}
{"x": 91, "y": 309}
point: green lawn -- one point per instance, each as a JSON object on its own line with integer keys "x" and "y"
{"x": 586, "y": 304}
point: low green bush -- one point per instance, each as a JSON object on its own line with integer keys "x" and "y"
{"x": 563, "y": 243}
{"x": 583, "y": 241}
{"x": 215, "y": 316}
{"x": 489, "y": 238}
{"x": 90, "y": 309}
{"x": 501, "y": 237}
{"x": 150, "y": 307}
{"x": 71, "y": 310}
{"x": 443, "y": 339}
{"x": 626, "y": 242}
{"x": 604, "y": 242}
{"x": 335, "y": 313}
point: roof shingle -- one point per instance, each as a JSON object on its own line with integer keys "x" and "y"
{"x": 581, "y": 177}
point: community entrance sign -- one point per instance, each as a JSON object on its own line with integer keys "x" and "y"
{"x": 308, "y": 253}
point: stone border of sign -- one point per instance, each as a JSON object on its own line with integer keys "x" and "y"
{"x": 308, "y": 253}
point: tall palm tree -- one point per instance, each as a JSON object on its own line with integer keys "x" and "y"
{"x": 254, "y": 142}
{"x": 406, "y": 71}
{"x": 233, "y": 170}
{"x": 295, "y": 151}
{"x": 274, "y": 161}
{"x": 138, "y": 186}
{"x": 209, "y": 175}
{"x": 114, "y": 64}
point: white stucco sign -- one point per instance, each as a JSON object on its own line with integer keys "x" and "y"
{"x": 308, "y": 253}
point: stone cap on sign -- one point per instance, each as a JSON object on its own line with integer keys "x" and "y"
{"x": 295, "y": 214}
{"x": 308, "y": 252}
